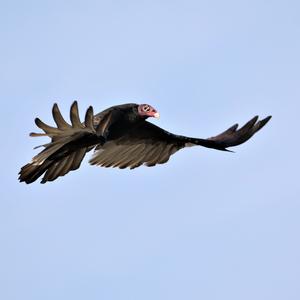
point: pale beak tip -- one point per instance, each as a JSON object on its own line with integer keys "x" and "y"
{"x": 156, "y": 115}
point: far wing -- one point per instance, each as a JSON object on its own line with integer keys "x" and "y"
{"x": 233, "y": 136}
{"x": 150, "y": 145}
{"x": 145, "y": 144}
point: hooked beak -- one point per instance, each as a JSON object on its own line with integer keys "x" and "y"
{"x": 156, "y": 115}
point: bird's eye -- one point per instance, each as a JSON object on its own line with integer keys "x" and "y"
{"x": 146, "y": 108}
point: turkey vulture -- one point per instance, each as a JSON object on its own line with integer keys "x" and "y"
{"x": 121, "y": 136}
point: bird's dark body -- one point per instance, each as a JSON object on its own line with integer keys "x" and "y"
{"x": 121, "y": 137}
{"x": 125, "y": 121}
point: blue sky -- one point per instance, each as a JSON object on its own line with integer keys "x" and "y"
{"x": 207, "y": 225}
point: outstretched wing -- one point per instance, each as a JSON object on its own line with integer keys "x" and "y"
{"x": 232, "y": 136}
{"x": 144, "y": 144}
{"x": 148, "y": 144}
{"x": 68, "y": 146}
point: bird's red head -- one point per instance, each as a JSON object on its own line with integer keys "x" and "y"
{"x": 146, "y": 111}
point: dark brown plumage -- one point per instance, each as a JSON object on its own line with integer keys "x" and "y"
{"x": 121, "y": 137}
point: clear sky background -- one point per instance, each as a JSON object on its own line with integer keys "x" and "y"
{"x": 207, "y": 225}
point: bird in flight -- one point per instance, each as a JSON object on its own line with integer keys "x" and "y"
{"x": 121, "y": 137}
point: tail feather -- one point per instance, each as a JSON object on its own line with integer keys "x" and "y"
{"x": 55, "y": 165}
{"x": 31, "y": 172}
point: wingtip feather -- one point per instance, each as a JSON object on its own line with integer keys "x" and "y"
{"x": 34, "y": 134}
